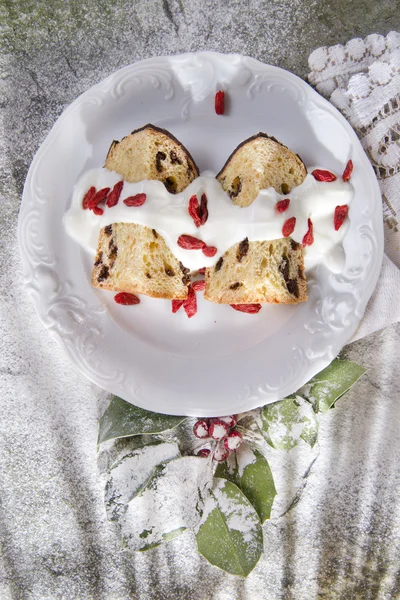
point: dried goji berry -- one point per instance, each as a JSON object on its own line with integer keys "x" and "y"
{"x": 220, "y": 102}
{"x": 199, "y": 286}
{"x": 98, "y": 211}
{"x": 348, "y": 171}
{"x": 203, "y": 211}
{"x": 201, "y": 271}
{"x": 176, "y": 304}
{"x": 88, "y": 197}
{"x": 209, "y": 251}
{"x": 99, "y": 196}
{"x": 321, "y": 175}
{"x": 340, "y": 215}
{"x": 190, "y": 304}
{"x": 251, "y": 309}
{"x": 126, "y": 299}
{"x": 308, "y": 238}
{"x": 188, "y": 242}
{"x": 288, "y": 226}
{"x": 113, "y": 196}
{"x": 282, "y": 205}
{"x": 136, "y": 200}
{"x": 194, "y": 210}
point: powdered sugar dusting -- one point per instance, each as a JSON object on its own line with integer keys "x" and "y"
{"x": 132, "y": 472}
{"x": 239, "y": 514}
{"x": 173, "y": 500}
{"x": 245, "y": 457}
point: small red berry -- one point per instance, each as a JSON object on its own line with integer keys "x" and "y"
{"x": 348, "y": 171}
{"x": 200, "y": 429}
{"x": 340, "y": 216}
{"x": 218, "y": 429}
{"x": 230, "y": 420}
{"x": 233, "y": 441}
{"x": 322, "y": 175}
{"x": 308, "y": 238}
{"x": 288, "y": 227}
{"x": 176, "y": 304}
{"x": 282, "y": 205}
{"x": 126, "y": 299}
{"x": 220, "y": 102}
{"x": 204, "y": 452}
{"x": 199, "y": 286}
{"x": 221, "y": 453}
{"x": 209, "y": 251}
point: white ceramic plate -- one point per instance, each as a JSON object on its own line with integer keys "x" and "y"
{"x": 221, "y": 361}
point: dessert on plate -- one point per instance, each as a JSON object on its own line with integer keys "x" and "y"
{"x": 135, "y": 258}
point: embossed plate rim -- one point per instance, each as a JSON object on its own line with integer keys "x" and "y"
{"x": 75, "y": 315}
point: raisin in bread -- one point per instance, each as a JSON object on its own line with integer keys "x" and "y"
{"x": 260, "y": 162}
{"x": 269, "y": 271}
{"x": 152, "y": 153}
{"x": 134, "y": 258}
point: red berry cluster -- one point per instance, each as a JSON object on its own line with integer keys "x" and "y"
{"x": 223, "y": 432}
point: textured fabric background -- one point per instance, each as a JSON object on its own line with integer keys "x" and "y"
{"x": 342, "y": 538}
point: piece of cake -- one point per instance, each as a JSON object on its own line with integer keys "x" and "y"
{"x": 134, "y": 258}
{"x": 155, "y": 154}
{"x": 258, "y": 163}
{"x": 268, "y": 271}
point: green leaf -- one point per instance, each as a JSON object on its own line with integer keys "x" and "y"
{"x": 331, "y": 383}
{"x": 250, "y": 471}
{"x": 230, "y": 535}
{"x": 255, "y": 480}
{"x": 284, "y": 423}
{"x": 122, "y": 419}
{"x": 172, "y": 501}
{"x": 130, "y": 475}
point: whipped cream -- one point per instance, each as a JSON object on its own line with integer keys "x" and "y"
{"x": 227, "y": 223}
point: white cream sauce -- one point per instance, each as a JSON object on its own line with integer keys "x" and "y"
{"x": 227, "y": 224}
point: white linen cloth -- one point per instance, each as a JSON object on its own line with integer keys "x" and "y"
{"x": 362, "y": 79}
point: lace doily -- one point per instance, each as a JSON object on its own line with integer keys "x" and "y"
{"x": 362, "y": 79}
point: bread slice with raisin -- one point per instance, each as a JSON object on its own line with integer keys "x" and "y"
{"x": 134, "y": 258}
{"x": 155, "y": 154}
{"x": 258, "y": 163}
{"x": 267, "y": 271}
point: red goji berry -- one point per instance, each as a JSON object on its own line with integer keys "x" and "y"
{"x": 190, "y": 304}
{"x": 340, "y": 216}
{"x": 202, "y": 271}
{"x": 126, "y": 299}
{"x": 88, "y": 197}
{"x": 199, "y": 286}
{"x": 99, "y": 196}
{"x": 209, "y": 251}
{"x": 282, "y": 205}
{"x": 288, "y": 226}
{"x": 251, "y": 309}
{"x": 194, "y": 210}
{"x": 98, "y": 211}
{"x": 203, "y": 211}
{"x": 113, "y": 196}
{"x": 176, "y": 304}
{"x": 321, "y": 175}
{"x": 348, "y": 171}
{"x": 136, "y": 200}
{"x": 188, "y": 242}
{"x": 220, "y": 102}
{"x": 308, "y": 238}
